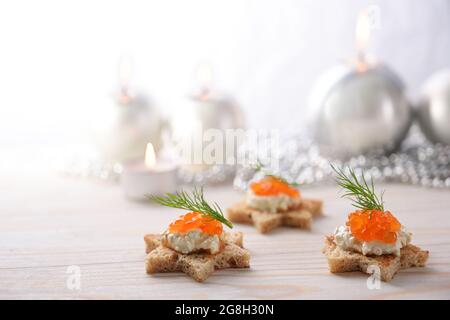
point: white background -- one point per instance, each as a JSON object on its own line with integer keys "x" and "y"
{"x": 58, "y": 59}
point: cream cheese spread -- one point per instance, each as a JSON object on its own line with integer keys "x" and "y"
{"x": 192, "y": 241}
{"x": 272, "y": 204}
{"x": 346, "y": 241}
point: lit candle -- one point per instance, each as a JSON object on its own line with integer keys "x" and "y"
{"x": 125, "y": 126}
{"x": 149, "y": 176}
{"x": 199, "y": 112}
{"x": 359, "y": 107}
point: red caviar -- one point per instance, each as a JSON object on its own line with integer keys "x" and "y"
{"x": 196, "y": 220}
{"x": 373, "y": 225}
{"x": 271, "y": 186}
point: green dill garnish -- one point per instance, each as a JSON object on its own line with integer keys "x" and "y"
{"x": 193, "y": 202}
{"x": 362, "y": 194}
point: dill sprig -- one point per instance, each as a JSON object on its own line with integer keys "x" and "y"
{"x": 260, "y": 167}
{"x": 362, "y": 194}
{"x": 193, "y": 202}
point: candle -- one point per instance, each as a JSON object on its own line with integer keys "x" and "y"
{"x": 359, "y": 107}
{"x": 148, "y": 176}
{"x": 201, "y": 113}
{"x": 126, "y": 125}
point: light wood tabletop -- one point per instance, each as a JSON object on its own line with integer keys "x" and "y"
{"x": 52, "y": 227}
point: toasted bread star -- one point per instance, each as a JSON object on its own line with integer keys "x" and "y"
{"x": 199, "y": 266}
{"x": 346, "y": 261}
{"x": 300, "y": 217}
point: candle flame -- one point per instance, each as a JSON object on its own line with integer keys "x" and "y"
{"x": 150, "y": 156}
{"x": 362, "y": 34}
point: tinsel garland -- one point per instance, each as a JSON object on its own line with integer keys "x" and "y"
{"x": 417, "y": 162}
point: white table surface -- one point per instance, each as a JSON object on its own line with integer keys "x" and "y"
{"x": 51, "y": 222}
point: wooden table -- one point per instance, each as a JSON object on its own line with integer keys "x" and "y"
{"x": 49, "y": 223}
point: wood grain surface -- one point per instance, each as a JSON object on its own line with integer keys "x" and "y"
{"x": 49, "y": 223}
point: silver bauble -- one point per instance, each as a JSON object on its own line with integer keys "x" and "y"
{"x": 433, "y": 112}
{"x": 356, "y": 112}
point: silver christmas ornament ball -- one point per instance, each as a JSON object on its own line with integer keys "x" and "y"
{"x": 433, "y": 112}
{"x": 356, "y": 112}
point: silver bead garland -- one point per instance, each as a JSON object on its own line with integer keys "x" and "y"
{"x": 93, "y": 167}
{"x": 213, "y": 175}
{"x": 417, "y": 162}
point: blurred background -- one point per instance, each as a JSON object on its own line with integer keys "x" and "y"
{"x": 59, "y": 60}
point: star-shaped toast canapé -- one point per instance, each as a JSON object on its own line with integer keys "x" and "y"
{"x": 199, "y": 266}
{"x": 372, "y": 240}
{"x": 273, "y": 202}
{"x": 195, "y": 243}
